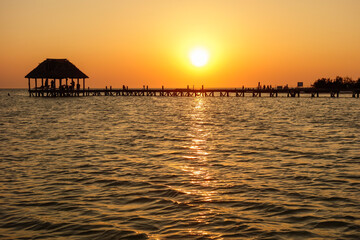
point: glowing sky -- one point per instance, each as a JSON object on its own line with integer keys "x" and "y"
{"x": 142, "y": 42}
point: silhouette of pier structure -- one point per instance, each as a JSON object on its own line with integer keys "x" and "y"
{"x": 62, "y": 75}
{"x": 188, "y": 92}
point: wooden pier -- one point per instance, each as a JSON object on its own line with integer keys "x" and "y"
{"x": 62, "y": 74}
{"x": 187, "y": 92}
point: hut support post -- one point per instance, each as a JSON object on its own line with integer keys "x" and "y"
{"x": 42, "y": 87}
{"x": 60, "y": 87}
{"x": 77, "y": 87}
{"x": 72, "y": 87}
{"x": 36, "y": 90}
{"x": 83, "y": 86}
{"x": 29, "y": 87}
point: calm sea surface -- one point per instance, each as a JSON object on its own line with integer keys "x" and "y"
{"x": 179, "y": 168}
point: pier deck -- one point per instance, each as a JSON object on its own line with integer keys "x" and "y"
{"x": 187, "y": 92}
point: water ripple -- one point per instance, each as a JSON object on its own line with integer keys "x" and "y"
{"x": 172, "y": 168}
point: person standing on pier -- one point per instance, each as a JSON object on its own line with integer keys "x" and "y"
{"x": 72, "y": 84}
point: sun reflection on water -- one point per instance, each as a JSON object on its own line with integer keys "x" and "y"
{"x": 197, "y": 165}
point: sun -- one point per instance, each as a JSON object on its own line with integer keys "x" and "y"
{"x": 199, "y": 56}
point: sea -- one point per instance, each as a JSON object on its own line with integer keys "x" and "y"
{"x": 110, "y": 167}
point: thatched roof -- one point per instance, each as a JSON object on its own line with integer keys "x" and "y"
{"x": 56, "y": 69}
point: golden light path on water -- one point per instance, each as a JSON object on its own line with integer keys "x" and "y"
{"x": 197, "y": 165}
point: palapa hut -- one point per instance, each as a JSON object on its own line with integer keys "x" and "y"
{"x": 56, "y": 70}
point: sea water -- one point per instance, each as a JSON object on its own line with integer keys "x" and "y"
{"x": 179, "y": 167}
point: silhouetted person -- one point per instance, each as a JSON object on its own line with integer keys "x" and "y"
{"x": 78, "y": 86}
{"x": 52, "y": 84}
{"x": 72, "y": 84}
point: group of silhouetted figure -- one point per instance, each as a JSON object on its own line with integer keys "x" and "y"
{"x": 270, "y": 87}
{"x": 61, "y": 87}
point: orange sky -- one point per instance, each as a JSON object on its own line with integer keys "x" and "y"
{"x": 141, "y": 42}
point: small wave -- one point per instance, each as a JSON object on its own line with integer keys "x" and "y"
{"x": 38, "y": 204}
{"x": 298, "y": 234}
{"x": 331, "y": 224}
{"x": 170, "y": 193}
{"x": 141, "y": 200}
{"x": 236, "y": 236}
{"x": 117, "y": 234}
{"x": 293, "y": 211}
{"x": 300, "y": 219}
{"x": 117, "y": 183}
{"x": 266, "y": 207}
